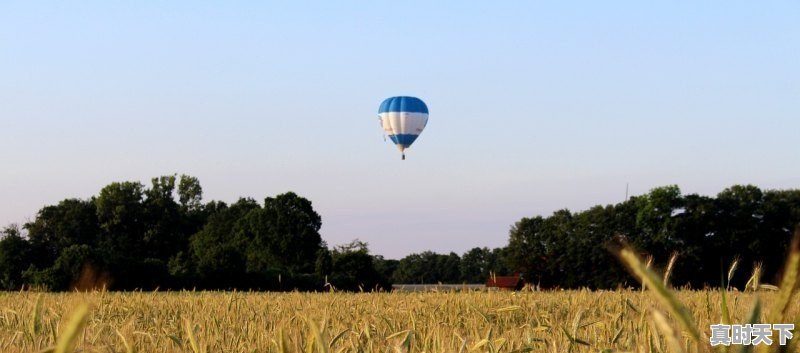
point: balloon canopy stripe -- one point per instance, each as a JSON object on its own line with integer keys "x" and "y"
{"x": 403, "y": 104}
{"x": 403, "y": 140}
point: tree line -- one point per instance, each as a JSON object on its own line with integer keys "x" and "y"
{"x": 132, "y": 236}
{"x": 164, "y": 236}
{"x": 742, "y": 222}
{"x": 574, "y": 249}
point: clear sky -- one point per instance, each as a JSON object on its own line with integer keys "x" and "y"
{"x": 534, "y": 106}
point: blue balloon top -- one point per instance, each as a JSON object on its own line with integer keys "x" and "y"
{"x": 403, "y": 104}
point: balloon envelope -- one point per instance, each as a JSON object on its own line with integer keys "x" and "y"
{"x": 403, "y": 119}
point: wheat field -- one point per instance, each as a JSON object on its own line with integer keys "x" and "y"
{"x": 655, "y": 318}
{"x": 474, "y": 321}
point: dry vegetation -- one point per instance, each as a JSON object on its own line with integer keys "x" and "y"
{"x": 658, "y": 319}
{"x": 576, "y": 321}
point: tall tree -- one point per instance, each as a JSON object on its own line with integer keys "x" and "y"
{"x": 217, "y": 250}
{"x": 70, "y": 222}
{"x": 386, "y": 267}
{"x": 429, "y": 267}
{"x": 190, "y": 193}
{"x": 283, "y": 235}
{"x": 121, "y": 217}
{"x": 475, "y": 265}
{"x": 164, "y": 236}
{"x": 15, "y": 254}
{"x": 354, "y": 268}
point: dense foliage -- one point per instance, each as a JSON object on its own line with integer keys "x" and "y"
{"x": 130, "y": 236}
{"x": 164, "y": 236}
{"x": 571, "y": 249}
{"x": 743, "y": 222}
{"x": 475, "y": 266}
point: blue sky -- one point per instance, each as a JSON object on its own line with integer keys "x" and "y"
{"x": 534, "y": 107}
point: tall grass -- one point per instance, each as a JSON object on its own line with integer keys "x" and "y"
{"x": 670, "y": 265}
{"x": 777, "y": 313}
{"x": 754, "y": 282}
{"x": 544, "y": 321}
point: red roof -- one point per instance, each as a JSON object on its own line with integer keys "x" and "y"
{"x": 503, "y": 281}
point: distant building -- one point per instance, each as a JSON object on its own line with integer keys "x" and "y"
{"x": 514, "y": 282}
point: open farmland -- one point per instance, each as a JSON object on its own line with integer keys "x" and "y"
{"x": 476, "y": 321}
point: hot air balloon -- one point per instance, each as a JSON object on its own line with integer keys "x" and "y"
{"x": 403, "y": 119}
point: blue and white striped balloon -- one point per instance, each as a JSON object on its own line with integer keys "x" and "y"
{"x": 403, "y": 119}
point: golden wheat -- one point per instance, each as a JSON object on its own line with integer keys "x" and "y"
{"x": 478, "y": 321}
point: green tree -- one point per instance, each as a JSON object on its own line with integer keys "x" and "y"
{"x": 283, "y": 235}
{"x": 386, "y": 267}
{"x": 324, "y": 263}
{"x": 164, "y": 232}
{"x": 538, "y": 248}
{"x": 428, "y": 268}
{"x": 121, "y": 218}
{"x": 781, "y": 214}
{"x": 497, "y": 261}
{"x": 474, "y": 265}
{"x": 70, "y": 222}
{"x": 15, "y": 254}
{"x": 190, "y": 193}
{"x": 591, "y": 264}
{"x": 354, "y": 268}
{"x": 74, "y": 263}
{"x": 698, "y": 258}
{"x": 449, "y": 268}
{"x": 655, "y": 221}
{"x": 217, "y": 250}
